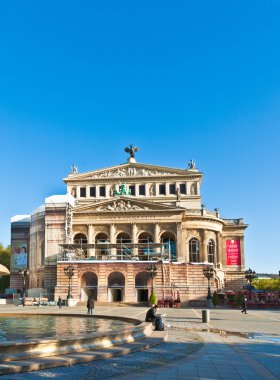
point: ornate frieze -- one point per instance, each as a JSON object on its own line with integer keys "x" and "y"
{"x": 130, "y": 172}
{"x": 121, "y": 205}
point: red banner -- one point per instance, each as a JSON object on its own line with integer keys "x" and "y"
{"x": 233, "y": 252}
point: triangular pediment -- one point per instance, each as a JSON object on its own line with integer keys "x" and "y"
{"x": 131, "y": 170}
{"x": 124, "y": 204}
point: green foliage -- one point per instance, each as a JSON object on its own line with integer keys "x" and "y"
{"x": 230, "y": 297}
{"x": 153, "y": 299}
{"x": 215, "y": 299}
{"x": 270, "y": 284}
{"x": 5, "y": 255}
{"x": 239, "y": 299}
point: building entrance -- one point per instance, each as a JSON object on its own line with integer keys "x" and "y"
{"x": 141, "y": 285}
{"x": 116, "y": 286}
{"x": 87, "y": 292}
{"x": 115, "y": 295}
{"x": 142, "y": 295}
{"x": 89, "y": 286}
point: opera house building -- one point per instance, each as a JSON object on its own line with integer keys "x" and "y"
{"x": 121, "y": 231}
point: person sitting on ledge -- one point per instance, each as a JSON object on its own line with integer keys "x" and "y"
{"x": 151, "y": 314}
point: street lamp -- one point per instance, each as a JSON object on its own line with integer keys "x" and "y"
{"x": 209, "y": 273}
{"x": 69, "y": 272}
{"x": 24, "y": 273}
{"x": 152, "y": 269}
{"x": 250, "y": 275}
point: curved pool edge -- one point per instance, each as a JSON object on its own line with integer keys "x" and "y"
{"x": 36, "y": 348}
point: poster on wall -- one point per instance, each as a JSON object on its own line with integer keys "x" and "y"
{"x": 19, "y": 256}
{"x": 233, "y": 252}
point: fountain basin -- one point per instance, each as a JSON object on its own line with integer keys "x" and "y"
{"x": 26, "y": 349}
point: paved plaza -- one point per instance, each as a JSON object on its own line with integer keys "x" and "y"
{"x": 231, "y": 346}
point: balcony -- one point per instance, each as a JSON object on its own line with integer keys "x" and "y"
{"x": 116, "y": 252}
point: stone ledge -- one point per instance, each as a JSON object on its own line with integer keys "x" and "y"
{"x": 34, "y": 364}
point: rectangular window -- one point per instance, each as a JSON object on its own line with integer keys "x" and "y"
{"x": 172, "y": 189}
{"x": 132, "y": 188}
{"x": 102, "y": 191}
{"x": 142, "y": 190}
{"x": 83, "y": 193}
{"x": 162, "y": 189}
{"x": 183, "y": 188}
{"x": 92, "y": 191}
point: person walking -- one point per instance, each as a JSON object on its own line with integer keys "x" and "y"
{"x": 59, "y": 302}
{"x": 244, "y": 305}
{"x": 90, "y": 305}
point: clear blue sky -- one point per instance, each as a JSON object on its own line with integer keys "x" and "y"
{"x": 79, "y": 81}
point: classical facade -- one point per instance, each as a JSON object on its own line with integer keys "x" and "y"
{"x": 124, "y": 230}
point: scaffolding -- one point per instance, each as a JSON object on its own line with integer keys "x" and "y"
{"x": 122, "y": 251}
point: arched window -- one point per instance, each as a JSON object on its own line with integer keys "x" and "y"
{"x": 169, "y": 247}
{"x": 102, "y": 244}
{"x": 211, "y": 251}
{"x": 124, "y": 250}
{"x": 80, "y": 239}
{"x": 194, "y": 250}
{"x": 145, "y": 247}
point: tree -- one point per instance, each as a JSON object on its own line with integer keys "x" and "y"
{"x": 268, "y": 284}
{"x": 5, "y": 255}
{"x": 215, "y": 299}
{"x": 152, "y": 299}
{"x": 239, "y": 299}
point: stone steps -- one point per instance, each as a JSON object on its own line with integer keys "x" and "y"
{"x": 35, "y": 364}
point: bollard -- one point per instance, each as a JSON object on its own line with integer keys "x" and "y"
{"x": 205, "y": 316}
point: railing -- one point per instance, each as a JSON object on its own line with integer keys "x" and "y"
{"x": 234, "y": 221}
{"x": 117, "y": 251}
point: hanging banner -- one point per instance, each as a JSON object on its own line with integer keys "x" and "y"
{"x": 19, "y": 256}
{"x": 233, "y": 252}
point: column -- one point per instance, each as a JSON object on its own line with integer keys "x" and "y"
{"x": 156, "y": 189}
{"x": 167, "y": 188}
{"x": 113, "y": 241}
{"x": 204, "y": 247}
{"x": 91, "y": 251}
{"x": 179, "y": 242}
{"x": 78, "y": 192}
{"x": 134, "y": 238}
{"x": 218, "y": 252}
{"x": 156, "y": 236}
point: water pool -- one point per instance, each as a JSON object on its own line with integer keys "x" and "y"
{"x": 24, "y": 327}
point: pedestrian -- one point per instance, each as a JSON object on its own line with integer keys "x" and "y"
{"x": 244, "y": 305}
{"x": 59, "y": 302}
{"x": 151, "y": 314}
{"x": 23, "y": 300}
{"x": 90, "y": 305}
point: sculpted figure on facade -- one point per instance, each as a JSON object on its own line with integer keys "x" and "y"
{"x": 121, "y": 205}
{"x": 130, "y": 171}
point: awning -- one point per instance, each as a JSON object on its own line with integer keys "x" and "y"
{"x": 4, "y": 271}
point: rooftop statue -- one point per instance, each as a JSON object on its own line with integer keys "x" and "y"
{"x": 131, "y": 150}
{"x": 74, "y": 169}
{"x": 191, "y": 164}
